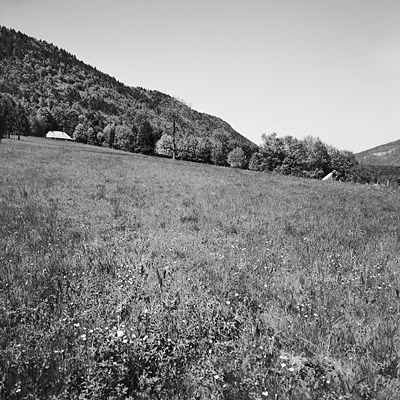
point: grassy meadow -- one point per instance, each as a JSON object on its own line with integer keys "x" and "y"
{"x": 131, "y": 277}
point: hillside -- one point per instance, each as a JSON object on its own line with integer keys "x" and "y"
{"x": 124, "y": 276}
{"x": 44, "y": 87}
{"x": 387, "y": 154}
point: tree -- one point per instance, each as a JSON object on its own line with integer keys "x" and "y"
{"x": 21, "y": 122}
{"x": 124, "y": 139}
{"x": 65, "y": 118}
{"x": 273, "y": 150}
{"x": 203, "y": 150}
{"x": 80, "y": 134}
{"x": 343, "y": 162}
{"x": 100, "y": 138}
{"x": 91, "y": 136}
{"x": 257, "y": 162}
{"x": 318, "y": 162}
{"x": 174, "y": 118}
{"x": 2, "y": 126}
{"x": 109, "y": 133}
{"x": 186, "y": 147}
{"x": 173, "y": 110}
{"x": 237, "y": 158}
{"x": 3, "y": 116}
{"x": 295, "y": 161}
{"x": 165, "y": 146}
{"x": 219, "y": 147}
{"x": 146, "y": 137}
{"x": 41, "y": 122}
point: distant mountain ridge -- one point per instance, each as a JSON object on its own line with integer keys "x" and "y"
{"x": 386, "y": 155}
{"x": 50, "y": 88}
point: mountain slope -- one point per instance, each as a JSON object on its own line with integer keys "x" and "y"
{"x": 387, "y": 154}
{"x": 51, "y": 89}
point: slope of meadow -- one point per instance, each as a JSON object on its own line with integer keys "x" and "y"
{"x": 126, "y": 276}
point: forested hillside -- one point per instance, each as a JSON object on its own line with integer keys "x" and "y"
{"x": 385, "y": 154}
{"x": 46, "y": 88}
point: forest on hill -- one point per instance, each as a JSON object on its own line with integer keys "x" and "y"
{"x": 43, "y": 87}
{"x": 387, "y": 154}
{"x": 46, "y": 88}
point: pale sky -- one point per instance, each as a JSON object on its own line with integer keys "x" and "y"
{"x": 326, "y": 68}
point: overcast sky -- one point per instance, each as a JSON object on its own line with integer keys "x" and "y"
{"x": 327, "y": 68}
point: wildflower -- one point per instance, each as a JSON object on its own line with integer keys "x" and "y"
{"x": 120, "y": 334}
{"x": 83, "y": 337}
{"x": 265, "y": 394}
{"x": 76, "y": 325}
{"x": 291, "y": 369}
{"x": 216, "y": 377}
{"x": 283, "y": 365}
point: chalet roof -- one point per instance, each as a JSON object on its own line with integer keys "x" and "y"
{"x": 58, "y": 135}
{"x": 328, "y": 177}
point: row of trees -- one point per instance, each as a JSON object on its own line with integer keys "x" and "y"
{"x": 202, "y": 149}
{"x": 139, "y": 138}
{"x": 308, "y": 157}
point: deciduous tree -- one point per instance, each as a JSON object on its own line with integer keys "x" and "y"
{"x": 124, "y": 139}
{"x": 80, "y": 134}
{"x": 165, "y": 146}
{"x": 237, "y": 158}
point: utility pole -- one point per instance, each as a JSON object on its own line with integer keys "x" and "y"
{"x": 3, "y": 126}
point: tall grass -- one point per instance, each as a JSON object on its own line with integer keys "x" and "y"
{"x": 125, "y": 276}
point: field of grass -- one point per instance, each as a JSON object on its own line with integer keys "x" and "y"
{"x": 131, "y": 277}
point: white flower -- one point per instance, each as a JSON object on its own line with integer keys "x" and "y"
{"x": 83, "y": 337}
{"x": 120, "y": 334}
{"x": 265, "y": 394}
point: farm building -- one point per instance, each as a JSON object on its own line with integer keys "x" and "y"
{"x": 329, "y": 177}
{"x": 58, "y": 135}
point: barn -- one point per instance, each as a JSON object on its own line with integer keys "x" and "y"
{"x": 58, "y": 135}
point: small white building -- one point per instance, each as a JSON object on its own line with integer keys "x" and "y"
{"x": 58, "y": 135}
{"x": 328, "y": 177}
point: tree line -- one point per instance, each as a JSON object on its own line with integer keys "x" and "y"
{"x": 308, "y": 157}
